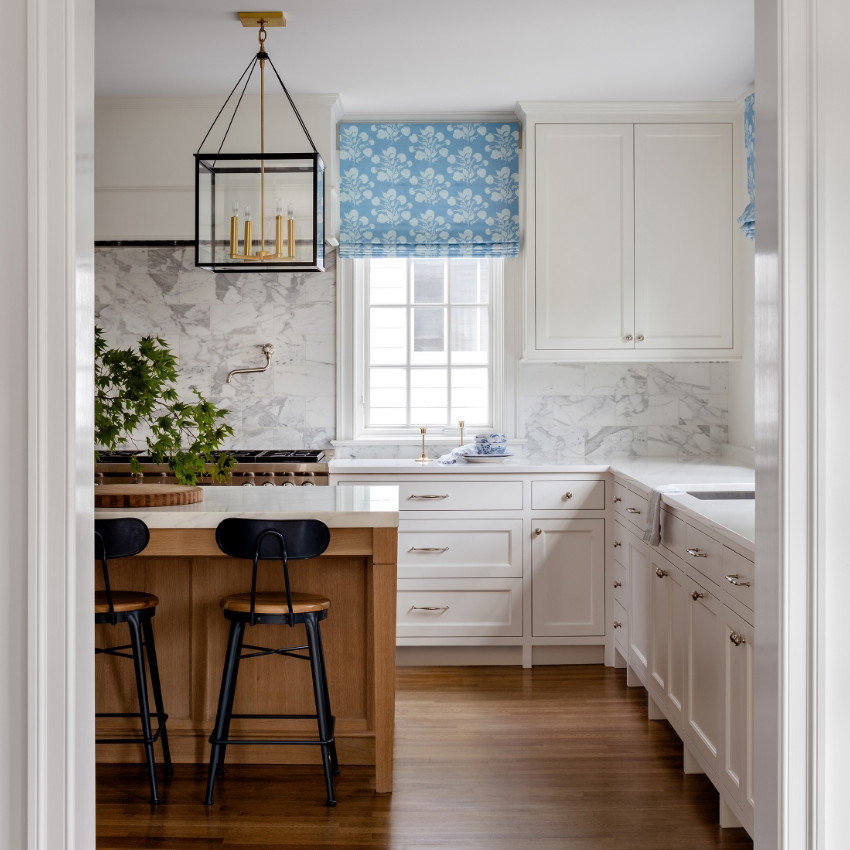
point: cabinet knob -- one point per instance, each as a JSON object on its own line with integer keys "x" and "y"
{"x": 567, "y": 495}
{"x": 618, "y": 584}
{"x": 617, "y": 544}
{"x": 737, "y": 639}
{"x": 628, "y": 337}
{"x": 640, "y": 337}
{"x": 697, "y": 595}
{"x": 661, "y": 573}
{"x": 538, "y": 531}
{"x": 618, "y": 624}
{"x": 616, "y": 499}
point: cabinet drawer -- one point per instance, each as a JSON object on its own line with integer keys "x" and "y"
{"x": 630, "y": 505}
{"x": 618, "y": 543}
{"x": 568, "y": 495}
{"x": 705, "y": 554}
{"x": 459, "y": 607}
{"x": 460, "y": 495}
{"x": 674, "y": 534}
{"x": 620, "y": 585}
{"x": 738, "y": 577}
{"x": 456, "y": 548}
{"x": 620, "y": 627}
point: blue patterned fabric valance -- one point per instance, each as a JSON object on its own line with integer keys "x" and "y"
{"x": 429, "y": 190}
{"x": 747, "y": 219}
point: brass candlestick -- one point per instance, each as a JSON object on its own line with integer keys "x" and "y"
{"x": 424, "y": 458}
{"x": 461, "y": 423}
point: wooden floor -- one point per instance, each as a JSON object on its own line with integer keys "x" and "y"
{"x": 487, "y": 758}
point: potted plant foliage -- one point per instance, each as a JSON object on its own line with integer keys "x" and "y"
{"x": 136, "y": 390}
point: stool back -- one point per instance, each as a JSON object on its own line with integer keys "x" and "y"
{"x": 272, "y": 539}
{"x": 117, "y": 538}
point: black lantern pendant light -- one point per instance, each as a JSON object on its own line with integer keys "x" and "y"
{"x": 258, "y": 212}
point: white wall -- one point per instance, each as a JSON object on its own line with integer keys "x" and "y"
{"x": 144, "y": 170}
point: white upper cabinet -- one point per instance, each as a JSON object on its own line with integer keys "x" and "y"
{"x": 684, "y": 221}
{"x": 630, "y": 235}
{"x": 585, "y": 236}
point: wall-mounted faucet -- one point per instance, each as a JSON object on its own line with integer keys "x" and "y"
{"x": 268, "y": 350}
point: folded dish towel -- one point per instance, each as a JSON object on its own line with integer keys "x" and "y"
{"x": 652, "y": 532}
{"x": 458, "y": 455}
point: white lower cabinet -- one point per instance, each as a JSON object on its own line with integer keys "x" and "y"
{"x": 703, "y": 729}
{"x": 688, "y": 615}
{"x": 499, "y": 559}
{"x": 568, "y": 577}
{"x": 737, "y": 756}
{"x": 668, "y": 638}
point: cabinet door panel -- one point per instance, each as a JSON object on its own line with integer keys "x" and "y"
{"x": 584, "y": 236}
{"x": 704, "y": 696}
{"x": 568, "y": 577}
{"x": 684, "y": 222}
{"x": 737, "y": 761}
{"x": 640, "y": 588}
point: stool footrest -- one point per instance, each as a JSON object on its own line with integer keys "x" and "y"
{"x": 299, "y": 741}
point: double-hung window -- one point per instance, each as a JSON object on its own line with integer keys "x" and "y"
{"x": 424, "y": 346}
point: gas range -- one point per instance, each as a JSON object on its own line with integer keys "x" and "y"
{"x": 254, "y": 468}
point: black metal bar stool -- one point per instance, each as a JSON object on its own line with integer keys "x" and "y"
{"x": 123, "y": 538}
{"x": 282, "y": 541}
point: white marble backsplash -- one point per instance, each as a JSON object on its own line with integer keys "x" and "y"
{"x": 218, "y": 322}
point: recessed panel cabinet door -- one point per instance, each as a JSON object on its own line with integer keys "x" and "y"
{"x": 684, "y": 220}
{"x": 568, "y": 577}
{"x": 584, "y": 236}
{"x": 705, "y": 676}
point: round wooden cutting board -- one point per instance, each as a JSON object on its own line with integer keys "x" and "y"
{"x": 145, "y": 495}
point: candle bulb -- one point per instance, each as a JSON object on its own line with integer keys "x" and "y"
{"x": 248, "y": 240}
{"x": 290, "y": 234}
{"x": 278, "y": 230}
{"x": 234, "y": 231}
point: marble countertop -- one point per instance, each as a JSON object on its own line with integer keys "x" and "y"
{"x": 734, "y": 519}
{"x": 371, "y": 506}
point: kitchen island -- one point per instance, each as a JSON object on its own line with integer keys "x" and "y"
{"x": 183, "y": 566}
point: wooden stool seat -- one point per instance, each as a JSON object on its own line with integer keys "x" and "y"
{"x": 275, "y": 603}
{"x": 123, "y": 601}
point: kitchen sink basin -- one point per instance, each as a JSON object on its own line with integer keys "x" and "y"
{"x": 722, "y": 494}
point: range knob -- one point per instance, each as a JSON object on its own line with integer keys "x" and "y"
{"x": 288, "y": 484}
{"x": 249, "y": 479}
{"x": 269, "y": 484}
{"x": 247, "y": 483}
{"x": 308, "y": 484}
{"x": 269, "y": 479}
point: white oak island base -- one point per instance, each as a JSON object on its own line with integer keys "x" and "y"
{"x": 185, "y": 569}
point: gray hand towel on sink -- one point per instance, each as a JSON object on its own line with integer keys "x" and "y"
{"x": 652, "y": 532}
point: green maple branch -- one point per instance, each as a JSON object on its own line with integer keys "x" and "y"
{"x": 135, "y": 389}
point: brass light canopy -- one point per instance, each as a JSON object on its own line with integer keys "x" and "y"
{"x": 261, "y": 211}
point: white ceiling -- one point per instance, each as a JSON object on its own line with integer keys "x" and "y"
{"x": 403, "y": 56}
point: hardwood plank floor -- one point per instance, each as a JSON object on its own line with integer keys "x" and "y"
{"x": 487, "y": 758}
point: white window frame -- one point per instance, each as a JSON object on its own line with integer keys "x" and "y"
{"x": 351, "y": 359}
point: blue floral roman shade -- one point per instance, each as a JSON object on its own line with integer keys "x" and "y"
{"x": 747, "y": 219}
{"x": 429, "y": 190}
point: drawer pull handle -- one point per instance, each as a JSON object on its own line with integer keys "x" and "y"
{"x": 618, "y": 584}
{"x": 429, "y": 607}
{"x": 617, "y": 499}
{"x": 736, "y": 580}
{"x": 617, "y": 544}
{"x": 567, "y": 496}
{"x": 618, "y": 624}
{"x": 429, "y": 496}
{"x": 737, "y": 639}
{"x": 661, "y": 573}
{"x": 632, "y": 511}
{"x": 697, "y": 595}
{"x": 695, "y": 553}
{"x": 428, "y": 549}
